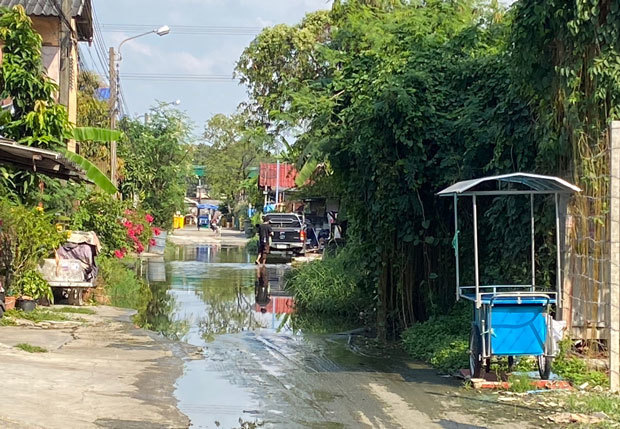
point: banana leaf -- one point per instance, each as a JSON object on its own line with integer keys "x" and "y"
{"x": 92, "y": 172}
{"x": 306, "y": 171}
{"x": 94, "y": 134}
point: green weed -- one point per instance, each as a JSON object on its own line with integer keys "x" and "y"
{"x": 30, "y": 348}
{"x": 38, "y": 315}
{"x": 441, "y": 341}
{"x": 122, "y": 286}
{"x": 576, "y": 370}
{"x": 7, "y": 321}
{"x": 252, "y": 245}
{"x": 520, "y": 383}
{"x": 74, "y": 310}
{"x": 331, "y": 286}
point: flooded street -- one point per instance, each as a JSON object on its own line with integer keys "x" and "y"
{"x": 260, "y": 364}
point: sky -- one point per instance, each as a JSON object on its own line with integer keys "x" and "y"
{"x": 183, "y": 54}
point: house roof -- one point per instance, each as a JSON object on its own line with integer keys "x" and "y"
{"x": 516, "y": 183}
{"x": 81, "y": 10}
{"x": 268, "y": 176}
{"x": 41, "y": 161}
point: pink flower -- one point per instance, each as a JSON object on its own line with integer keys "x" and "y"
{"x": 149, "y": 218}
{"x": 127, "y": 224}
{"x": 139, "y": 229}
{"x": 152, "y": 242}
{"x": 156, "y": 231}
{"x": 139, "y": 247}
{"x": 128, "y": 212}
{"x": 119, "y": 254}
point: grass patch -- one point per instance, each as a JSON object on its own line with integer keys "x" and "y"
{"x": 442, "y": 341}
{"x": 576, "y": 370}
{"x": 332, "y": 286}
{"x": 6, "y": 321}
{"x": 122, "y": 286}
{"x": 72, "y": 310}
{"x": 520, "y": 383}
{"x": 38, "y": 315}
{"x": 30, "y": 348}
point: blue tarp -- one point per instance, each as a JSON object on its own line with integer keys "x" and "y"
{"x": 206, "y": 206}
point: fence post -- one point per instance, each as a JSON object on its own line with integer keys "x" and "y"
{"x": 614, "y": 286}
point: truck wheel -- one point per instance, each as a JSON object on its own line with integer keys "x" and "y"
{"x": 475, "y": 353}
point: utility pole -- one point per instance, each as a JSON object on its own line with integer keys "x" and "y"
{"x": 66, "y": 63}
{"x": 113, "y": 112}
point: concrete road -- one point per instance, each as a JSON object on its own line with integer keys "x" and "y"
{"x": 101, "y": 374}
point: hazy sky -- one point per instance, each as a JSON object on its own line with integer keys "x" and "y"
{"x": 187, "y": 53}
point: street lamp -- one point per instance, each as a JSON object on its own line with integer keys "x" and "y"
{"x": 114, "y": 80}
{"x": 161, "y": 31}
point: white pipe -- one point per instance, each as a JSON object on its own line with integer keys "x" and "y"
{"x": 477, "y": 273}
{"x": 456, "y": 247}
{"x": 557, "y": 244}
{"x": 533, "y": 239}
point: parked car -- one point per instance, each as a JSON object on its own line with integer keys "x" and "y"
{"x": 289, "y": 232}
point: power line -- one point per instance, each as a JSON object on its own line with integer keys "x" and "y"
{"x": 187, "y": 29}
{"x": 177, "y": 77}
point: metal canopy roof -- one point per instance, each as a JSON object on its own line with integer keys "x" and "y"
{"x": 515, "y": 183}
{"x": 41, "y": 161}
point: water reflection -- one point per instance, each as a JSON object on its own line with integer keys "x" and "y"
{"x": 206, "y": 291}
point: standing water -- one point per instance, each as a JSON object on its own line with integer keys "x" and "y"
{"x": 258, "y": 367}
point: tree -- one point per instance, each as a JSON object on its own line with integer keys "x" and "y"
{"x": 399, "y": 100}
{"x": 236, "y": 144}
{"x": 156, "y": 162}
{"x": 36, "y": 119}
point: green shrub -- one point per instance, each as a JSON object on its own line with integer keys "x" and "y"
{"x": 442, "y": 341}
{"x": 102, "y": 214}
{"x": 252, "y": 245}
{"x": 32, "y": 284}
{"x": 122, "y": 286}
{"x": 333, "y": 286}
{"x": 26, "y": 236}
{"x": 576, "y": 370}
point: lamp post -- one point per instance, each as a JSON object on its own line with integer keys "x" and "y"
{"x": 114, "y": 80}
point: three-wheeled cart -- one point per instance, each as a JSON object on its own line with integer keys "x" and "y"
{"x": 510, "y": 320}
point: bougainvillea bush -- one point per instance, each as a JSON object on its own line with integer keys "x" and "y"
{"x": 120, "y": 229}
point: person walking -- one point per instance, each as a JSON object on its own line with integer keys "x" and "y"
{"x": 264, "y": 238}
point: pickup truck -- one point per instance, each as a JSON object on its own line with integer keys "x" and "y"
{"x": 289, "y": 232}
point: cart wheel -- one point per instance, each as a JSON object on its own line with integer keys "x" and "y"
{"x": 475, "y": 353}
{"x": 75, "y": 296}
{"x": 511, "y": 363}
{"x": 544, "y": 366}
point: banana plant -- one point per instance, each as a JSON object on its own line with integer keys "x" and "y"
{"x": 102, "y": 135}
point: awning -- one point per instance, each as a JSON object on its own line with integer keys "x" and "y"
{"x": 41, "y": 161}
{"x": 507, "y": 184}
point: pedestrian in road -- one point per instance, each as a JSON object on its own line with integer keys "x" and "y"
{"x": 264, "y": 238}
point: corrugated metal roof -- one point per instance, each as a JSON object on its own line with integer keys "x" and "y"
{"x": 45, "y": 7}
{"x": 42, "y": 161}
{"x": 81, "y": 10}
{"x": 268, "y": 173}
{"x": 533, "y": 182}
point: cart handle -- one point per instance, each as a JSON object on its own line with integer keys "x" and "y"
{"x": 521, "y": 295}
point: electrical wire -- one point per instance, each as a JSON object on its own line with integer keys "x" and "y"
{"x": 178, "y": 77}
{"x": 187, "y": 29}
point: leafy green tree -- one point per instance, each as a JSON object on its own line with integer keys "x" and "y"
{"x": 398, "y": 101}
{"x": 156, "y": 159}
{"x": 235, "y": 145}
{"x": 36, "y": 119}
